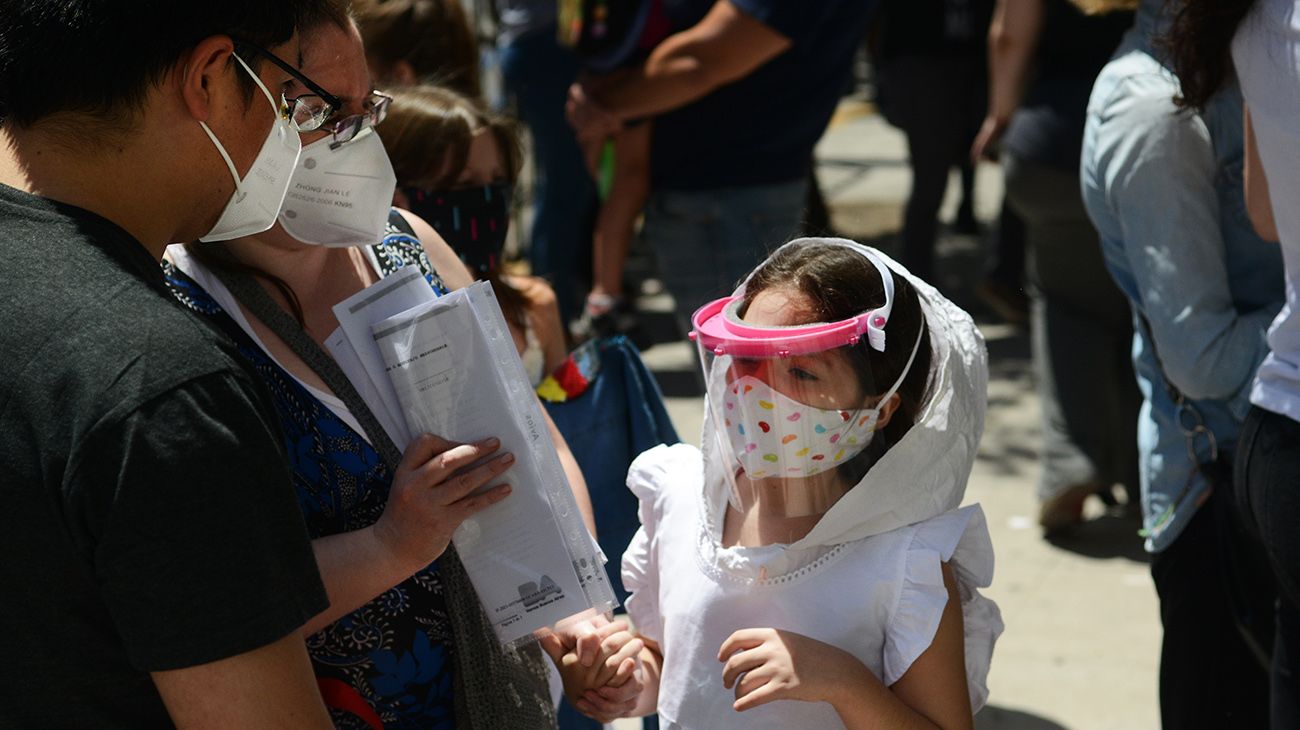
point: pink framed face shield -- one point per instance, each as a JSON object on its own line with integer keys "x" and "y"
{"x": 717, "y": 327}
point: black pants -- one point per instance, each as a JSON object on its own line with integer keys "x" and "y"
{"x": 1268, "y": 500}
{"x": 938, "y": 101}
{"x": 1082, "y": 332}
{"x": 1209, "y": 678}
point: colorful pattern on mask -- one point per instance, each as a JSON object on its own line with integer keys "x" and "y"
{"x": 473, "y": 221}
{"x": 773, "y": 435}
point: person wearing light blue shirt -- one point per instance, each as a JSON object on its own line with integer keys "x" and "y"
{"x": 1163, "y": 186}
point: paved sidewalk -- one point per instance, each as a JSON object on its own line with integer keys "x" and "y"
{"x": 1082, "y": 633}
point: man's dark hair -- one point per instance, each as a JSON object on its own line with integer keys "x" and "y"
{"x": 99, "y": 57}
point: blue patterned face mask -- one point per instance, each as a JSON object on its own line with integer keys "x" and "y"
{"x": 473, "y": 221}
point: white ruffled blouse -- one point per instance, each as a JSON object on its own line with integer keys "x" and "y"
{"x": 879, "y": 597}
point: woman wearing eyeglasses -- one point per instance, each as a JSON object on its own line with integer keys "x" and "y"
{"x": 404, "y": 642}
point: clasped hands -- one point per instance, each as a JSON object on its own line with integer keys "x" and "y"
{"x": 599, "y": 662}
{"x": 761, "y": 665}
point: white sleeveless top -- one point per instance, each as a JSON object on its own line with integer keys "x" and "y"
{"x": 1266, "y": 55}
{"x": 879, "y": 598}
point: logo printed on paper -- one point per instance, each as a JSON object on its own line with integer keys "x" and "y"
{"x": 541, "y": 593}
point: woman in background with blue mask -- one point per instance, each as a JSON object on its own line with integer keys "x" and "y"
{"x": 404, "y": 642}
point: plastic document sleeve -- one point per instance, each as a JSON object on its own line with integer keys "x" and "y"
{"x": 453, "y": 366}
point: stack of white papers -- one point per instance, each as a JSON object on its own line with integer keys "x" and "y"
{"x": 448, "y": 366}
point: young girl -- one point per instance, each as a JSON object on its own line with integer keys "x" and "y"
{"x": 456, "y": 164}
{"x": 809, "y": 568}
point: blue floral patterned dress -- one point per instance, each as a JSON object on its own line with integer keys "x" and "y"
{"x": 387, "y": 664}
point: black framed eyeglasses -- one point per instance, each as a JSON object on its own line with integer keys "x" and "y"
{"x": 375, "y": 111}
{"x": 306, "y": 112}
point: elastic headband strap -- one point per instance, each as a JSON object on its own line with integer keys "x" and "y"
{"x": 239, "y": 184}
{"x": 906, "y": 368}
{"x": 257, "y": 80}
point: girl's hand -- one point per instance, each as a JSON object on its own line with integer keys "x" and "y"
{"x": 604, "y": 684}
{"x": 614, "y": 691}
{"x": 769, "y": 664}
{"x": 580, "y": 636}
{"x": 431, "y": 497}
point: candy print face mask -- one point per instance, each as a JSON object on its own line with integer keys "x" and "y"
{"x": 775, "y": 436}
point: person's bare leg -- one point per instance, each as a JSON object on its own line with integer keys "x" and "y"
{"x": 617, "y": 220}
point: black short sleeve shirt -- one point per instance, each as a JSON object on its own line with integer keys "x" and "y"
{"x": 148, "y": 521}
{"x": 761, "y": 129}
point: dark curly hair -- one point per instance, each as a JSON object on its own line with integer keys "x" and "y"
{"x": 1199, "y": 45}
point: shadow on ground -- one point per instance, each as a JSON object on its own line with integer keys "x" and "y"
{"x": 1112, "y": 535}
{"x": 993, "y": 717}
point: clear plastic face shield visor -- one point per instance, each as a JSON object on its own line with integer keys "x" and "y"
{"x": 793, "y": 402}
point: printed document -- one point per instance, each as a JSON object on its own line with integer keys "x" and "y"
{"x": 453, "y": 369}
{"x": 356, "y": 353}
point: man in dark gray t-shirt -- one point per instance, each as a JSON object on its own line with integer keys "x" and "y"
{"x": 156, "y": 569}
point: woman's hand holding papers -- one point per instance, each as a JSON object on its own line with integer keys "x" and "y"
{"x": 431, "y": 496}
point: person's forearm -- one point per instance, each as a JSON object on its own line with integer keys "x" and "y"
{"x": 647, "y": 702}
{"x": 864, "y": 703}
{"x": 616, "y": 223}
{"x": 355, "y": 568}
{"x": 1013, "y": 38}
{"x": 664, "y": 83}
{"x": 726, "y": 46}
{"x": 1259, "y": 209}
{"x": 577, "y": 484}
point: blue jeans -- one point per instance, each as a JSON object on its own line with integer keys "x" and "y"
{"x": 538, "y": 72}
{"x": 1268, "y": 501}
{"x": 707, "y": 241}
